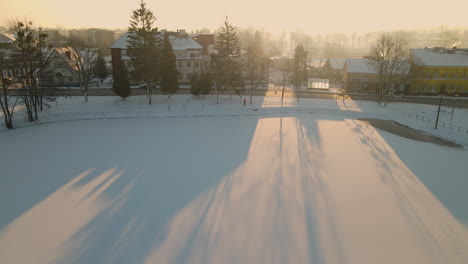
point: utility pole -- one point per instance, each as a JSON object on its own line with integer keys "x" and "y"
{"x": 442, "y": 90}
{"x": 453, "y": 109}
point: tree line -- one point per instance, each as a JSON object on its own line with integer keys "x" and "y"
{"x": 26, "y": 66}
{"x": 233, "y": 66}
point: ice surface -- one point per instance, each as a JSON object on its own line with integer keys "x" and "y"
{"x": 116, "y": 181}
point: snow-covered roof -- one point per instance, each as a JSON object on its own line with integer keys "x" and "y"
{"x": 337, "y": 63}
{"x": 438, "y": 57}
{"x": 184, "y": 43}
{"x": 6, "y": 38}
{"x": 316, "y": 62}
{"x": 178, "y": 43}
{"x": 360, "y": 65}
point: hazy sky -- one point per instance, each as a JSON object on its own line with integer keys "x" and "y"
{"x": 275, "y": 16}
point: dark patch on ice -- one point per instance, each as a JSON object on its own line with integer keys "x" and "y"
{"x": 408, "y": 132}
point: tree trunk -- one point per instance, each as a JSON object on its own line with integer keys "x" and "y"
{"x": 297, "y": 93}
{"x": 386, "y": 98}
{"x": 8, "y": 121}
{"x": 217, "y": 97}
{"x": 282, "y": 93}
{"x": 8, "y": 115}
{"x": 148, "y": 87}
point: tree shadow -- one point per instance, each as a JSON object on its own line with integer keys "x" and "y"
{"x": 133, "y": 190}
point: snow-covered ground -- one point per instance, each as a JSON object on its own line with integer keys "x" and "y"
{"x": 115, "y": 181}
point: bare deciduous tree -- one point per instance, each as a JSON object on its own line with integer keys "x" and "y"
{"x": 390, "y": 57}
{"x": 26, "y": 61}
{"x": 7, "y": 108}
{"x": 83, "y": 58}
{"x": 256, "y": 63}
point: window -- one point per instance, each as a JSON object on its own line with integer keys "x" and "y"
{"x": 455, "y": 75}
{"x": 70, "y": 79}
{"x": 189, "y": 75}
{"x": 425, "y": 88}
{"x": 180, "y": 64}
{"x": 196, "y": 64}
{"x": 436, "y": 75}
{"x": 428, "y": 75}
{"x": 189, "y": 64}
{"x": 454, "y": 88}
{"x": 417, "y": 88}
{"x": 181, "y": 76}
{"x": 461, "y": 88}
{"x": 433, "y": 89}
{"x": 444, "y": 76}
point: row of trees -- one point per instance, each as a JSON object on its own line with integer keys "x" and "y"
{"x": 27, "y": 67}
{"x": 153, "y": 61}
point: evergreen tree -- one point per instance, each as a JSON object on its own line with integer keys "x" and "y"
{"x": 144, "y": 48}
{"x": 195, "y": 84}
{"x": 299, "y": 69}
{"x": 100, "y": 68}
{"x": 121, "y": 85}
{"x": 227, "y": 68}
{"x": 169, "y": 72}
{"x": 205, "y": 83}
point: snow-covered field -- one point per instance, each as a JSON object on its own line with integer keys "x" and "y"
{"x": 195, "y": 182}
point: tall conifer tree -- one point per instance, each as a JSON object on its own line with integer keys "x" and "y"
{"x": 144, "y": 48}
{"x": 227, "y": 68}
{"x": 169, "y": 72}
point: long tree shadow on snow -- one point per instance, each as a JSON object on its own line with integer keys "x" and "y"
{"x": 128, "y": 196}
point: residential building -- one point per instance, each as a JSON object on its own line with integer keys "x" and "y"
{"x": 100, "y": 38}
{"x": 360, "y": 75}
{"x": 207, "y": 41}
{"x": 189, "y": 54}
{"x": 6, "y": 40}
{"x": 60, "y": 69}
{"x": 438, "y": 67}
{"x": 333, "y": 69}
{"x": 282, "y": 62}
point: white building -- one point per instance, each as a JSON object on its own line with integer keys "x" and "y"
{"x": 188, "y": 52}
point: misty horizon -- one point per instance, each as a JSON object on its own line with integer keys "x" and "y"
{"x": 312, "y": 18}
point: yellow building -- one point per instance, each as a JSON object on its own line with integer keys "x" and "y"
{"x": 438, "y": 67}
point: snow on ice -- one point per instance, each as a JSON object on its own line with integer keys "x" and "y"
{"x": 195, "y": 182}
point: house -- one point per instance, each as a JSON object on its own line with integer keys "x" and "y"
{"x": 360, "y": 75}
{"x": 333, "y": 69}
{"x": 189, "y": 54}
{"x": 282, "y": 62}
{"x": 6, "y": 41}
{"x": 60, "y": 69}
{"x": 207, "y": 41}
{"x": 437, "y": 67}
